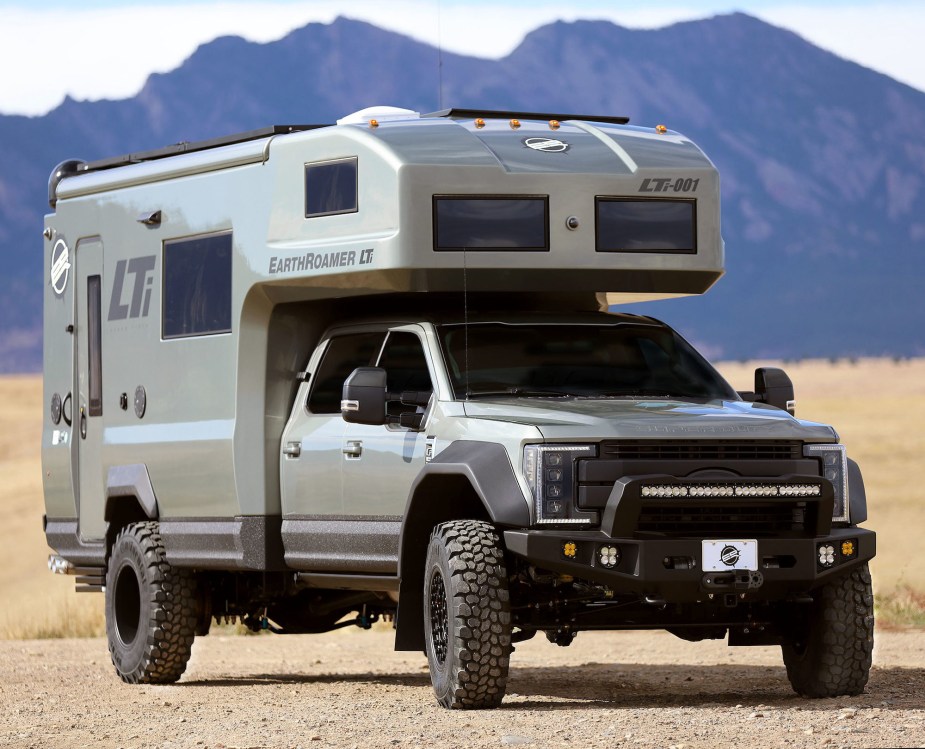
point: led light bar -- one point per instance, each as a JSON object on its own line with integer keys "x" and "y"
{"x": 731, "y": 490}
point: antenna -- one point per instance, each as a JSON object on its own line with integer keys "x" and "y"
{"x": 439, "y": 60}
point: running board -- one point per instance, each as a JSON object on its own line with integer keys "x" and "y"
{"x": 384, "y": 583}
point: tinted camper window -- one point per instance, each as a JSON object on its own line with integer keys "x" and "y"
{"x": 331, "y": 188}
{"x": 646, "y": 225}
{"x": 95, "y": 345}
{"x": 495, "y": 223}
{"x": 197, "y": 286}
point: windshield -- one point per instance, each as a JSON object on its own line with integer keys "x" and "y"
{"x": 620, "y": 360}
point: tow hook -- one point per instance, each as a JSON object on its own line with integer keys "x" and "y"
{"x": 562, "y": 636}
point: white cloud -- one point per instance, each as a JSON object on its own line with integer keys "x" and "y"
{"x": 108, "y": 53}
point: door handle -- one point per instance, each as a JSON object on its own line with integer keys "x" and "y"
{"x": 292, "y": 449}
{"x": 353, "y": 448}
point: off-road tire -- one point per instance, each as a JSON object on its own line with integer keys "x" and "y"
{"x": 467, "y": 617}
{"x": 151, "y": 611}
{"x": 832, "y": 656}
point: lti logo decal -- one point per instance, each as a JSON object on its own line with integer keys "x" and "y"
{"x": 60, "y": 266}
{"x": 546, "y": 145}
{"x": 138, "y": 302}
{"x": 729, "y": 556}
{"x": 669, "y": 184}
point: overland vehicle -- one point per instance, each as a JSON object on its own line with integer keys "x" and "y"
{"x": 314, "y": 376}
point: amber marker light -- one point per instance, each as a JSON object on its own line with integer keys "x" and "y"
{"x": 480, "y": 123}
{"x": 515, "y": 124}
{"x": 661, "y": 129}
{"x": 374, "y": 123}
{"x": 847, "y": 549}
{"x": 554, "y": 124}
{"x": 569, "y": 549}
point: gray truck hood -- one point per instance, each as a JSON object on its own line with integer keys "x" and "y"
{"x": 594, "y": 419}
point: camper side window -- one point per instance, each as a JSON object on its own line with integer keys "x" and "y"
{"x": 331, "y": 188}
{"x": 95, "y": 346}
{"x": 197, "y": 286}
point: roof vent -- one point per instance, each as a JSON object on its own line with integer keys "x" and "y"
{"x": 379, "y": 114}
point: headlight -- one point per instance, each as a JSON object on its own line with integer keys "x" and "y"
{"x": 835, "y": 468}
{"x": 550, "y": 473}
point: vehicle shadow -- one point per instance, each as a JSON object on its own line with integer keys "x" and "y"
{"x": 598, "y": 685}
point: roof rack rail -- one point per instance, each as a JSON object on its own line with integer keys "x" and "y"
{"x": 190, "y": 147}
{"x": 493, "y": 114}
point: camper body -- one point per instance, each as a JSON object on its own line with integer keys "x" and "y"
{"x": 364, "y": 368}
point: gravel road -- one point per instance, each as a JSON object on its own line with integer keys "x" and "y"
{"x": 350, "y": 689}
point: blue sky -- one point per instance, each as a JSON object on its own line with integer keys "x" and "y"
{"x": 106, "y": 48}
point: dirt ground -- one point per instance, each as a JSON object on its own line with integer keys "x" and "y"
{"x": 350, "y": 689}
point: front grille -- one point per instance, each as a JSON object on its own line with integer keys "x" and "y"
{"x": 721, "y": 450}
{"x": 695, "y": 465}
{"x": 726, "y": 521}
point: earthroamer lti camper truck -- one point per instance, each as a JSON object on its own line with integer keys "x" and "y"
{"x": 310, "y": 377}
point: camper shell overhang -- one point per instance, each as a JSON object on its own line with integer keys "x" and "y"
{"x": 460, "y": 201}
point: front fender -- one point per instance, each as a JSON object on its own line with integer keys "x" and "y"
{"x": 468, "y": 480}
{"x": 857, "y": 497}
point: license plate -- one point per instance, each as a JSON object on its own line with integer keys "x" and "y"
{"x": 722, "y": 555}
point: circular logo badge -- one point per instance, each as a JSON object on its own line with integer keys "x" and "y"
{"x": 547, "y": 145}
{"x": 729, "y": 556}
{"x": 60, "y": 266}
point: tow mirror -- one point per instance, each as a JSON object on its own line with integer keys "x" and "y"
{"x": 773, "y": 386}
{"x": 364, "y": 396}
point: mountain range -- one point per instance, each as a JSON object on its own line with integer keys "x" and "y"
{"x": 822, "y": 161}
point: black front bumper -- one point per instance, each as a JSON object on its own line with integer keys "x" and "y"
{"x": 670, "y": 569}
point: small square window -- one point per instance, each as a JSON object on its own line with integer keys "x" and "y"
{"x": 331, "y": 188}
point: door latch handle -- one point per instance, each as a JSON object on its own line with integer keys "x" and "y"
{"x": 353, "y": 449}
{"x": 292, "y": 449}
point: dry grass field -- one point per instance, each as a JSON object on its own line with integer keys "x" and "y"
{"x": 877, "y": 405}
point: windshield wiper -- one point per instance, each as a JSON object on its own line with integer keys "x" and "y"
{"x": 517, "y": 392}
{"x": 654, "y": 394}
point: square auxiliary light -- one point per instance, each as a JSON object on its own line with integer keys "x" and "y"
{"x": 608, "y": 556}
{"x": 826, "y": 555}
